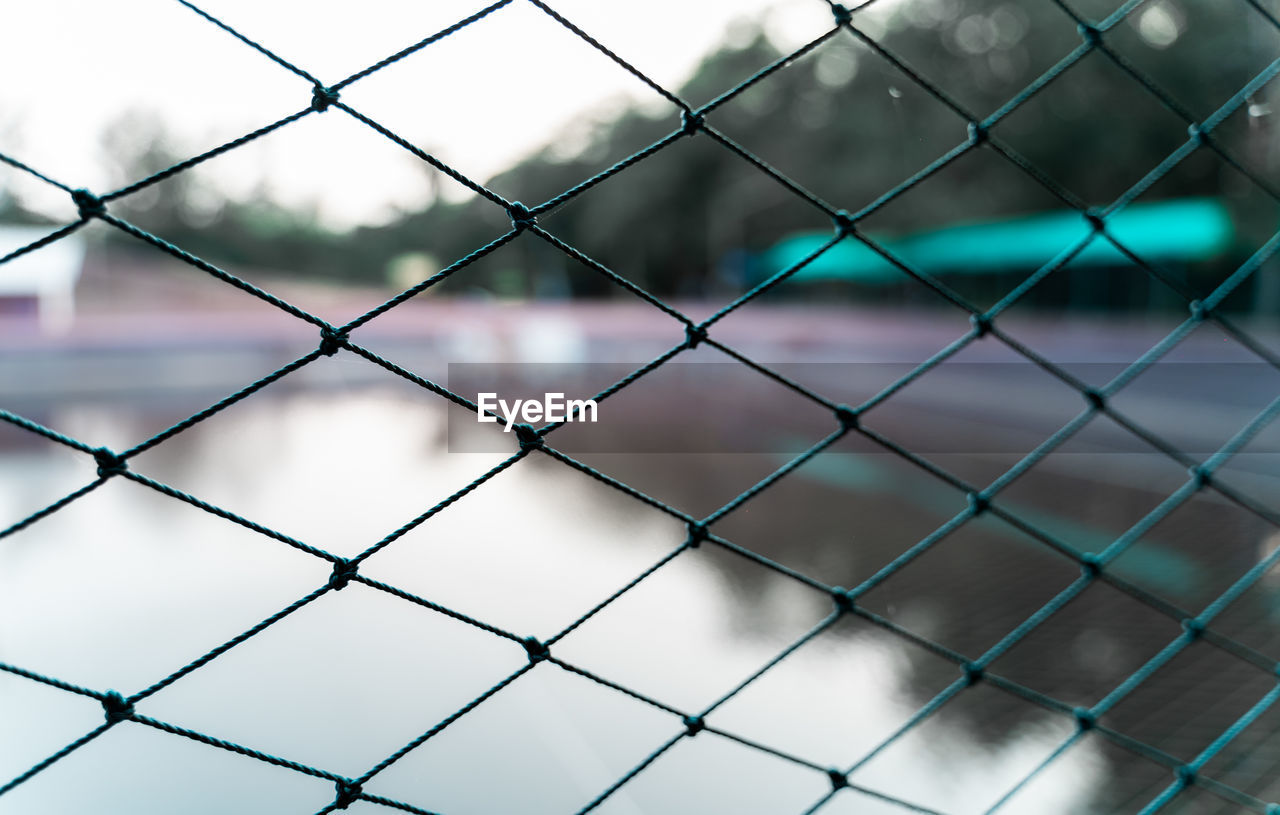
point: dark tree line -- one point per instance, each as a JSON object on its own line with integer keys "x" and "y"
{"x": 842, "y": 121}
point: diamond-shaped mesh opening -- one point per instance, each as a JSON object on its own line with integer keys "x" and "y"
{"x": 345, "y": 509}
{"x": 1198, "y": 799}
{"x": 374, "y": 32}
{"x": 940, "y": 411}
{"x": 515, "y": 42}
{"x": 1065, "y": 112}
{"x": 798, "y": 103}
{"x": 720, "y": 253}
{"x": 536, "y": 583}
{"x": 1168, "y": 558}
{"x": 1251, "y": 209}
{"x": 561, "y": 746}
{"x": 281, "y": 692}
{"x": 1208, "y": 688}
{"x": 1005, "y": 190}
{"x": 942, "y": 593}
{"x": 1250, "y": 621}
{"x": 730, "y": 409}
{"x": 853, "y": 675}
{"x": 844, "y": 514}
{"x": 1200, "y": 425}
{"x": 1094, "y": 487}
{"x": 115, "y": 769}
{"x": 730, "y": 615}
{"x": 1252, "y": 476}
{"x": 1093, "y": 644}
{"x": 962, "y": 732}
{"x": 1156, "y": 40}
{"x": 312, "y": 579}
{"x": 126, "y": 584}
{"x": 1249, "y": 765}
{"x": 49, "y": 207}
{"x": 981, "y": 53}
{"x": 50, "y": 717}
{"x": 711, "y": 771}
{"x": 218, "y": 97}
{"x": 53, "y": 472}
{"x": 1125, "y": 781}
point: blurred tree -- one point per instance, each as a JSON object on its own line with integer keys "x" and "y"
{"x": 13, "y": 212}
{"x": 841, "y": 121}
{"x": 847, "y": 124}
{"x": 195, "y": 215}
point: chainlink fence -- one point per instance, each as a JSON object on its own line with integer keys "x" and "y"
{"x": 972, "y": 500}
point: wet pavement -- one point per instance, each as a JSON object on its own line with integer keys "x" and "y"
{"x": 126, "y": 585}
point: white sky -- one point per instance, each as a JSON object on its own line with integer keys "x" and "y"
{"x": 479, "y": 99}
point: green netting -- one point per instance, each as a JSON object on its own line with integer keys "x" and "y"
{"x": 1101, "y": 227}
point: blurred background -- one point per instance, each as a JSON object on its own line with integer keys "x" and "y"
{"x": 108, "y": 340}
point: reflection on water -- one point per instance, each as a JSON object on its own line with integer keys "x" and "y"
{"x": 126, "y": 585}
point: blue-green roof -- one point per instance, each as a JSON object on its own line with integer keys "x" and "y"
{"x": 1180, "y": 230}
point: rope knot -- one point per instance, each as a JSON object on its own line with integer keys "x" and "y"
{"x": 690, "y": 122}
{"x": 1201, "y": 476}
{"x": 973, "y": 673}
{"x": 693, "y": 725}
{"x": 1095, "y": 398}
{"x": 843, "y": 15}
{"x": 981, "y": 324}
{"x": 348, "y": 793}
{"x": 521, "y": 217}
{"x": 978, "y": 503}
{"x": 847, "y": 417}
{"x": 1085, "y": 719}
{"x": 536, "y": 650}
{"x": 115, "y": 707}
{"x": 846, "y": 224}
{"x": 1193, "y": 627}
{"x": 322, "y": 98}
{"x": 1198, "y": 134}
{"x": 343, "y": 571}
{"x": 1199, "y": 312}
{"x": 88, "y": 204}
{"x": 978, "y": 133}
{"x": 843, "y": 600}
{"x": 1186, "y": 774}
{"x": 1090, "y": 34}
{"x": 838, "y": 779}
{"x": 693, "y": 335}
{"x": 331, "y": 339}
{"x": 528, "y": 437}
{"x": 109, "y": 462}
{"x": 1094, "y": 216}
{"x": 1090, "y": 565}
{"x": 697, "y": 533}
